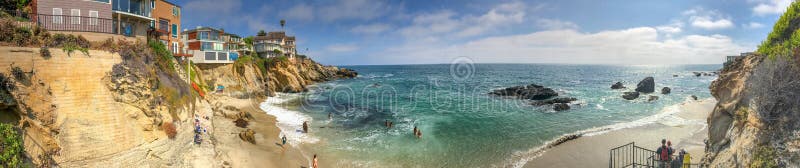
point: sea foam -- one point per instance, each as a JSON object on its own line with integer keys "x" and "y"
{"x": 288, "y": 121}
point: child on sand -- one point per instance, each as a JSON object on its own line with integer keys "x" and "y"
{"x": 305, "y": 126}
{"x": 315, "y": 165}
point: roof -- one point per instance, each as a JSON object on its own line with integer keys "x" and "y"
{"x": 173, "y": 4}
{"x": 200, "y": 28}
{"x": 274, "y": 35}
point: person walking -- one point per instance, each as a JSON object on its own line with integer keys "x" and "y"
{"x": 283, "y": 140}
{"x": 663, "y": 153}
{"x": 315, "y": 165}
{"x": 305, "y": 126}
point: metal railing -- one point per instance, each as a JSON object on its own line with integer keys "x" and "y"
{"x": 630, "y": 155}
{"x": 64, "y": 22}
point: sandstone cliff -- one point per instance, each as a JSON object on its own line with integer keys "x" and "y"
{"x": 755, "y": 123}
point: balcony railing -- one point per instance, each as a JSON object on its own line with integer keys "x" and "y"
{"x": 75, "y": 23}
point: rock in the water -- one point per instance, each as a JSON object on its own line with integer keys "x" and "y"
{"x": 647, "y": 85}
{"x": 694, "y": 97}
{"x": 674, "y": 75}
{"x": 630, "y": 95}
{"x": 560, "y": 107}
{"x": 697, "y": 74}
{"x": 652, "y": 98}
{"x": 554, "y": 101}
{"x": 248, "y": 135}
{"x": 532, "y": 92}
{"x": 666, "y": 90}
{"x": 617, "y": 85}
{"x": 347, "y": 73}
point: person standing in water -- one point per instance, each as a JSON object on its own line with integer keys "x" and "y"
{"x": 419, "y": 134}
{"x": 305, "y": 126}
{"x": 315, "y": 165}
{"x": 330, "y": 116}
{"x": 386, "y": 123}
{"x": 415, "y": 130}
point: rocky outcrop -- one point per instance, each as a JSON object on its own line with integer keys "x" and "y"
{"x": 560, "y": 107}
{"x": 554, "y": 101}
{"x": 652, "y": 98}
{"x": 647, "y": 85}
{"x": 666, "y": 90}
{"x": 630, "y": 95}
{"x": 617, "y": 85}
{"x": 531, "y": 92}
{"x": 296, "y": 74}
{"x": 754, "y": 124}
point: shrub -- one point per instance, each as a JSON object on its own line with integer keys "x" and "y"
{"x": 169, "y": 129}
{"x": 11, "y": 148}
{"x": 164, "y": 56}
{"x": 784, "y": 37}
{"x": 764, "y": 157}
{"x": 71, "y": 47}
{"x": 19, "y": 74}
{"x": 45, "y": 52}
{"x": 22, "y": 36}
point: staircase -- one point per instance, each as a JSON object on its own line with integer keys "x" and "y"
{"x": 630, "y": 155}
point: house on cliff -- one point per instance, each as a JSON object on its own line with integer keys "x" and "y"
{"x": 267, "y": 45}
{"x": 97, "y": 20}
{"x": 167, "y": 26}
{"x": 207, "y": 46}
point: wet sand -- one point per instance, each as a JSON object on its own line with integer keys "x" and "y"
{"x": 593, "y": 151}
{"x": 267, "y": 152}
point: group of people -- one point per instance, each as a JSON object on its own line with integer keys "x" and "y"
{"x": 665, "y": 159}
{"x": 198, "y": 129}
{"x": 417, "y": 132}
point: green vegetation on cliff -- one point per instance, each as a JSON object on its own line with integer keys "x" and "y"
{"x": 785, "y": 37}
{"x": 10, "y": 146}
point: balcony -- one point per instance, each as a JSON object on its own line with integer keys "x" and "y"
{"x": 138, "y": 8}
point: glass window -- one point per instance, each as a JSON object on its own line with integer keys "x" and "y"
{"x": 153, "y": 4}
{"x": 210, "y": 56}
{"x": 203, "y": 36}
{"x": 213, "y": 36}
{"x": 222, "y": 56}
{"x": 163, "y": 25}
{"x": 175, "y": 11}
{"x": 57, "y": 15}
{"x": 174, "y": 30}
{"x": 217, "y": 46}
{"x": 206, "y": 46}
{"x": 93, "y": 18}
{"x": 76, "y": 16}
{"x": 104, "y": 1}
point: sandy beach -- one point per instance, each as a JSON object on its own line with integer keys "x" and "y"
{"x": 686, "y": 129}
{"x": 267, "y": 152}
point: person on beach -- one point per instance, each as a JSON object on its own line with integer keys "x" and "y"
{"x": 315, "y": 165}
{"x": 391, "y": 124}
{"x": 687, "y": 160}
{"x": 283, "y": 140}
{"x": 419, "y": 134}
{"x": 678, "y": 161}
{"x": 663, "y": 152}
{"x": 415, "y": 130}
{"x": 330, "y": 116}
{"x": 305, "y": 126}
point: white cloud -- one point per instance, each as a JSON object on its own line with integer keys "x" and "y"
{"x": 341, "y": 48}
{"x": 673, "y": 28}
{"x": 301, "y": 12}
{"x": 711, "y": 24}
{"x": 767, "y": 7}
{"x": 753, "y": 25}
{"x": 448, "y": 23}
{"x": 552, "y": 24}
{"x": 639, "y": 45}
{"x": 708, "y": 19}
{"x": 371, "y": 28}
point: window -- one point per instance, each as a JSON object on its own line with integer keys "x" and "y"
{"x": 162, "y": 25}
{"x": 222, "y": 56}
{"x": 210, "y": 56}
{"x": 76, "y": 16}
{"x": 218, "y": 46}
{"x": 57, "y": 16}
{"x": 152, "y": 4}
{"x": 174, "y": 31}
{"x": 93, "y": 19}
{"x": 175, "y": 11}
{"x": 103, "y": 1}
{"x": 175, "y": 47}
{"x": 206, "y": 46}
{"x": 203, "y": 36}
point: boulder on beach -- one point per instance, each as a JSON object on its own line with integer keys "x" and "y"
{"x": 532, "y": 92}
{"x": 647, "y": 85}
{"x": 666, "y": 90}
{"x": 560, "y": 107}
{"x": 553, "y": 101}
{"x": 248, "y": 135}
{"x": 652, "y": 98}
{"x": 694, "y": 97}
{"x": 617, "y": 85}
{"x": 630, "y": 95}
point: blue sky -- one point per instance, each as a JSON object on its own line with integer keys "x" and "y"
{"x": 366, "y": 32}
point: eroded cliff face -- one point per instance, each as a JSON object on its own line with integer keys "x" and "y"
{"x": 755, "y": 122}
{"x": 295, "y": 75}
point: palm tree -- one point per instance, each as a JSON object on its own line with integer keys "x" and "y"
{"x": 283, "y": 23}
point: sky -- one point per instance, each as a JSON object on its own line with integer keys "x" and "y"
{"x": 378, "y": 32}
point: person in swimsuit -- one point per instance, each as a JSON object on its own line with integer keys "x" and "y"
{"x": 305, "y": 126}
{"x": 315, "y": 165}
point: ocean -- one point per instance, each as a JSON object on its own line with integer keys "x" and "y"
{"x": 462, "y": 125}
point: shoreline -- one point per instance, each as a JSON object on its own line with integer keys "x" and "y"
{"x": 591, "y": 146}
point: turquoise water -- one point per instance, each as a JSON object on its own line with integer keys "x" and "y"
{"x": 462, "y": 125}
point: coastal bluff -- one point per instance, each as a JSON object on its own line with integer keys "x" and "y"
{"x": 109, "y": 108}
